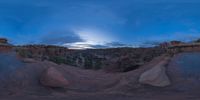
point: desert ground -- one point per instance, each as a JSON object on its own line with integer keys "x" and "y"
{"x": 21, "y": 80}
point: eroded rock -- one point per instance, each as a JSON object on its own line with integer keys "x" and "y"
{"x": 28, "y": 60}
{"x": 53, "y": 78}
{"x": 156, "y": 76}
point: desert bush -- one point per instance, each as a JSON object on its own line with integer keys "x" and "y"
{"x": 58, "y": 60}
{"x": 25, "y": 53}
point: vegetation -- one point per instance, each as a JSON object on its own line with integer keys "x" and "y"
{"x": 58, "y": 60}
{"x": 116, "y": 59}
{"x": 25, "y": 53}
{"x": 197, "y": 41}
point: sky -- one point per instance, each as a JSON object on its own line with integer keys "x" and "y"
{"x": 99, "y": 23}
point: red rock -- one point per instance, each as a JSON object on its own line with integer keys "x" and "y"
{"x": 53, "y": 78}
{"x": 156, "y": 76}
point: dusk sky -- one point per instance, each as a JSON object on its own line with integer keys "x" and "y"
{"x": 98, "y": 23}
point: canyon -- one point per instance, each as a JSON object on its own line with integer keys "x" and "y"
{"x": 52, "y": 72}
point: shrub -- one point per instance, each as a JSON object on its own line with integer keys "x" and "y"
{"x": 24, "y": 53}
{"x": 58, "y": 59}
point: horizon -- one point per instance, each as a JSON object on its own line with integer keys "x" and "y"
{"x": 165, "y": 44}
{"x": 99, "y": 24}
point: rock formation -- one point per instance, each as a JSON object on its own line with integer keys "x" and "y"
{"x": 28, "y": 60}
{"x": 156, "y": 76}
{"x": 53, "y": 78}
{"x": 4, "y": 45}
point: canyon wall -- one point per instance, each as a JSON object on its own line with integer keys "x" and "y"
{"x": 115, "y": 59}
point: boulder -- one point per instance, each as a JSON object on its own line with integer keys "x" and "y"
{"x": 53, "y": 78}
{"x": 156, "y": 76}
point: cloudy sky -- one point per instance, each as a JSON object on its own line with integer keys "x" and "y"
{"x": 98, "y": 23}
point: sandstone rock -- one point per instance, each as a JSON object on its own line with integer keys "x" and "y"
{"x": 28, "y": 60}
{"x": 156, "y": 76}
{"x": 53, "y": 78}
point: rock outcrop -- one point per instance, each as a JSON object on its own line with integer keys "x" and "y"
{"x": 28, "y": 60}
{"x": 53, "y": 78}
{"x": 4, "y": 45}
{"x": 156, "y": 76}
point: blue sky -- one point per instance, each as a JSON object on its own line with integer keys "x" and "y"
{"x": 98, "y": 23}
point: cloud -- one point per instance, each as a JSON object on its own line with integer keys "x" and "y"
{"x": 180, "y": 36}
{"x": 92, "y": 38}
{"x": 116, "y": 44}
{"x": 133, "y": 21}
{"x": 81, "y": 38}
{"x": 60, "y": 38}
{"x": 78, "y": 45}
{"x": 84, "y": 45}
